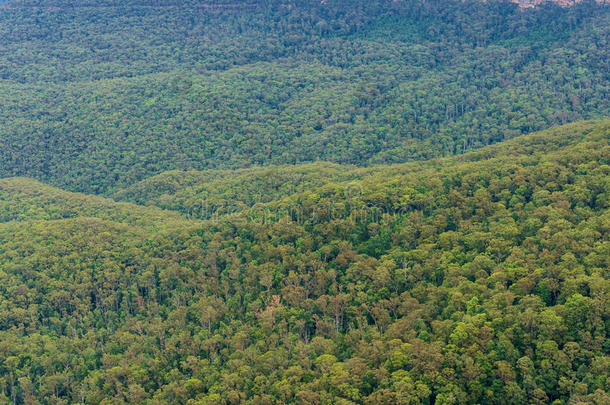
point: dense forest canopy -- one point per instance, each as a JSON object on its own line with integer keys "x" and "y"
{"x": 481, "y": 278}
{"x": 99, "y": 95}
{"x": 304, "y": 202}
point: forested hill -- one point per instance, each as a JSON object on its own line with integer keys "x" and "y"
{"x": 25, "y": 200}
{"x": 481, "y": 278}
{"x": 208, "y": 194}
{"x": 96, "y": 96}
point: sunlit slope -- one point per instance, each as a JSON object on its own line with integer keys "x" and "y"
{"x": 23, "y": 199}
{"x": 212, "y": 193}
{"x": 478, "y": 279}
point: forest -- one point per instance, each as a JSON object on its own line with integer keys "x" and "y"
{"x": 478, "y": 278}
{"x": 223, "y": 202}
{"x": 97, "y": 96}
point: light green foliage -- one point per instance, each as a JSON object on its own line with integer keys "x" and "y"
{"x": 485, "y": 280}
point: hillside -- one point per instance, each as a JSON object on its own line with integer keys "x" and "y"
{"x": 211, "y": 193}
{"x": 562, "y": 3}
{"x": 208, "y": 194}
{"x": 97, "y": 96}
{"x": 480, "y": 278}
{"x": 24, "y": 200}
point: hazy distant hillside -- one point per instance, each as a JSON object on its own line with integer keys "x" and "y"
{"x": 562, "y": 3}
{"x": 95, "y": 96}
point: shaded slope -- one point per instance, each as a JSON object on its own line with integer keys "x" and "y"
{"x": 97, "y": 98}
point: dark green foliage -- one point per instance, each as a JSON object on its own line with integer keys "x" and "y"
{"x": 99, "y": 95}
{"x": 481, "y": 278}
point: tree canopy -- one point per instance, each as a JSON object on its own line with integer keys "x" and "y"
{"x": 481, "y": 278}
{"x": 99, "y": 95}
